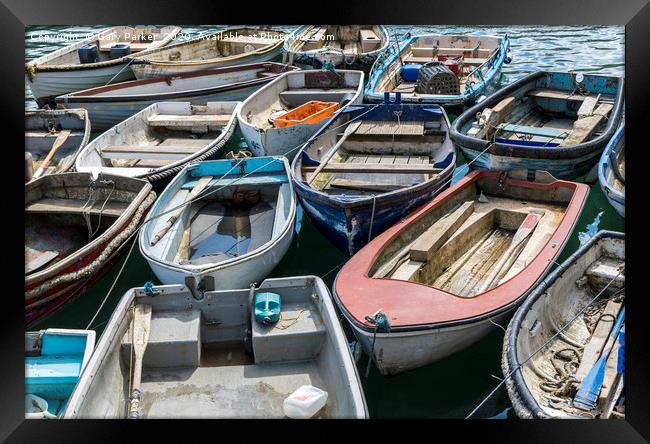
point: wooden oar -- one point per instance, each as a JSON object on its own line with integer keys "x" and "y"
{"x": 60, "y": 140}
{"x": 200, "y": 186}
{"x": 348, "y": 130}
{"x": 525, "y": 230}
{"x": 141, "y": 327}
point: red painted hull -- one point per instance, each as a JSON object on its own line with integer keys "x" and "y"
{"x": 413, "y": 306}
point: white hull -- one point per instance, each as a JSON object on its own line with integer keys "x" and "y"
{"x": 398, "y": 352}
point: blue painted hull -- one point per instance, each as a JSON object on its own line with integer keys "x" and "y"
{"x": 615, "y": 197}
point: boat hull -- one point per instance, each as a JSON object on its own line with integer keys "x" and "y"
{"x": 615, "y": 197}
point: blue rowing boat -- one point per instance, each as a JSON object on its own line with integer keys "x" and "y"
{"x": 557, "y": 122}
{"x": 466, "y": 68}
{"x": 611, "y": 171}
{"x": 54, "y": 360}
{"x": 371, "y": 166}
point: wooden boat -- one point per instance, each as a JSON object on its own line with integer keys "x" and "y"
{"x": 545, "y": 385}
{"x": 110, "y": 105}
{"x": 61, "y": 71}
{"x": 75, "y": 227}
{"x": 68, "y": 129}
{"x": 54, "y": 360}
{"x": 611, "y": 171}
{"x": 286, "y": 93}
{"x": 551, "y": 121}
{"x": 438, "y": 280}
{"x": 466, "y": 68}
{"x": 233, "y": 46}
{"x": 234, "y": 233}
{"x": 370, "y": 167}
{"x": 349, "y": 47}
{"x": 157, "y": 142}
{"x": 195, "y": 363}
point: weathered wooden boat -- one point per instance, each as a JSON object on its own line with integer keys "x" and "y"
{"x": 111, "y": 104}
{"x": 370, "y": 167}
{"x": 63, "y": 71}
{"x": 611, "y": 171}
{"x": 54, "y": 360}
{"x": 439, "y": 280}
{"x": 349, "y": 46}
{"x": 442, "y": 69}
{"x": 286, "y": 93}
{"x": 75, "y": 227}
{"x": 53, "y": 138}
{"x": 235, "y": 223}
{"x": 195, "y": 362}
{"x": 233, "y": 46}
{"x": 156, "y": 143}
{"x": 563, "y": 312}
{"x": 551, "y": 121}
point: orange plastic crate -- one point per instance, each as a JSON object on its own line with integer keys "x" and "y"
{"x": 310, "y": 112}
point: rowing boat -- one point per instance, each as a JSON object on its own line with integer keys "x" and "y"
{"x": 54, "y": 361}
{"x": 286, "y": 93}
{"x": 221, "y": 224}
{"x": 230, "y": 47}
{"x": 562, "y": 312}
{"x": 109, "y": 105}
{"x": 196, "y": 364}
{"x": 438, "y": 280}
{"x": 43, "y": 129}
{"x": 348, "y": 47}
{"x": 370, "y": 167}
{"x": 551, "y": 121}
{"x": 75, "y": 228}
{"x": 62, "y": 71}
{"x": 157, "y": 142}
{"x": 611, "y": 171}
{"x": 449, "y": 69}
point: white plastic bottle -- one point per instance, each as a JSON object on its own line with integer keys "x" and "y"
{"x": 305, "y": 402}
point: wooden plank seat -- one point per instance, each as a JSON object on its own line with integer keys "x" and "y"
{"x": 297, "y": 97}
{"x": 467, "y": 60}
{"x": 533, "y": 130}
{"x": 75, "y": 206}
{"x": 566, "y": 95}
{"x": 376, "y": 168}
{"x": 149, "y": 152}
{"x": 363, "y": 185}
{"x": 426, "y": 52}
{"x": 188, "y": 120}
{"x": 369, "y": 127}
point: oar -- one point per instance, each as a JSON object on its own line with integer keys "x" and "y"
{"x": 60, "y": 140}
{"x": 200, "y": 186}
{"x": 590, "y": 387}
{"x": 348, "y": 130}
{"x": 141, "y": 326}
{"x": 525, "y": 230}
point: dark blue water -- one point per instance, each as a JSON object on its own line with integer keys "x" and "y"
{"x": 452, "y": 387}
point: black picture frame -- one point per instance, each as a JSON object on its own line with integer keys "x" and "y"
{"x": 634, "y": 14}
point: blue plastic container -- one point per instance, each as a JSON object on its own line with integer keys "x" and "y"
{"x": 88, "y": 53}
{"x": 410, "y": 72}
{"x": 119, "y": 50}
{"x": 267, "y": 308}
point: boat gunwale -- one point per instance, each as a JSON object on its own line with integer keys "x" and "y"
{"x": 88, "y": 95}
{"x": 366, "y": 257}
{"x": 212, "y": 267}
{"x": 518, "y": 151}
{"x": 614, "y": 145}
{"x": 511, "y": 355}
{"x": 313, "y": 52}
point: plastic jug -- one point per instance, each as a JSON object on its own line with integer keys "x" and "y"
{"x": 267, "y": 307}
{"x": 305, "y": 402}
{"x": 36, "y": 408}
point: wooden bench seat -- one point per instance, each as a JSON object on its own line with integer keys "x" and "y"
{"x": 375, "y": 168}
{"x": 188, "y": 120}
{"x": 75, "y": 206}
{"x": 423, "y": 60}
{"x": 149, "y": 152}
{"x": 566, "y": 95}
{"x": 533, "y": 130}
{"x": 424, "y": 52}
